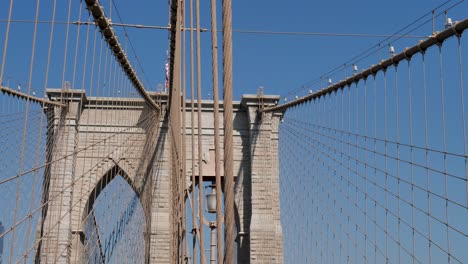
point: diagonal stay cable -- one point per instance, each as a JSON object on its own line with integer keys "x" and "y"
{"x": 65, "y": 187}
{"x": 73, "y": 153}
{"x": 455, "y": 30}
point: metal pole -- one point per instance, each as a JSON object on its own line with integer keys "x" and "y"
{"x": 213, "y": 243}
{"x": 228, "y": 132}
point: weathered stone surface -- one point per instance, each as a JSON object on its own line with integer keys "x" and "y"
{"x": 114, "y": 140}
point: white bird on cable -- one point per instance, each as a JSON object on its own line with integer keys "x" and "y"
{"x": 448, "y": 22}
{"x": 19, "y": 87}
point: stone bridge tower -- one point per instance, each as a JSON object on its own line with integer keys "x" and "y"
{"x": 145, "y": 165}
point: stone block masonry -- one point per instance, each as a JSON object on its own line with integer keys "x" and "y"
{"x": 142, "y": 155}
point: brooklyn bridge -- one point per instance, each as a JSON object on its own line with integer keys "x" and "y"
{"x": 366, "y": 164}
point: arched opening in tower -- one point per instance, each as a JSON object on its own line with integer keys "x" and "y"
{"x": 115, "y": 225}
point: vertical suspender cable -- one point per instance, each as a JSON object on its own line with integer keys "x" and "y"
{"x": 25, "y": 129}
{"x": 175, "y": 112}
{"x": 228, "y": 130}
{"x": 462, "y": 97}
{"x": 65, "y": 137}
{"x": 192, "y": 122}
{"x": 214, "y": 51}
{"x": 200, "y": 145}
{"x": 184, "y": 140}
{"x": 5, "y": 44}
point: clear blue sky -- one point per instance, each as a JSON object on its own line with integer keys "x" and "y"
{"x": 279, "y": 63}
